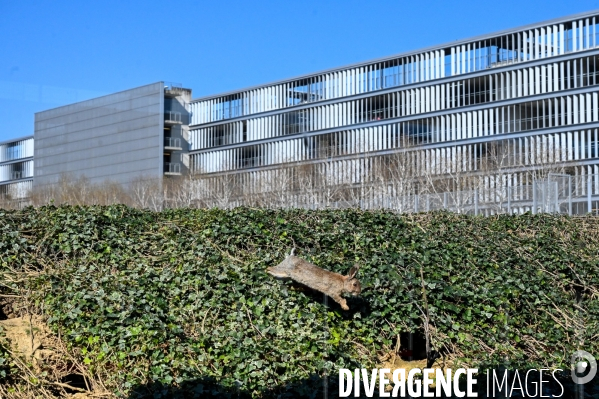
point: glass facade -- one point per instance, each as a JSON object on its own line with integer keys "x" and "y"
{"x": 532, "y": 92}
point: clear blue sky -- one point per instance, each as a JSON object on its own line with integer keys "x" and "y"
{"x": 57, "y": 52}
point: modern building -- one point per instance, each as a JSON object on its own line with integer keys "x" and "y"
{"x": 16, "y": 169}
{"x": 137, "y": 133}
{"x": 473, "y": 122}
{"x": 501, "y": 122}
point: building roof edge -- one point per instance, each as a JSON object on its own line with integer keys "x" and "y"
{"x": 16, "y": 139}
{"x": 405, "y": 54}
{"x": 95, "y": 98}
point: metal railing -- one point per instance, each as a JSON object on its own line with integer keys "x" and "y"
{"x": 172, "y": 167}
{"x": 172, "y": 85}
{"x": 172, "y": 142}
{"x": 172, "y": 116}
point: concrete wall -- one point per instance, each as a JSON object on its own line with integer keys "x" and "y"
{"x": 118, "y": 137}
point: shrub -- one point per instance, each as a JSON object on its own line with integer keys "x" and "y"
{"x": 179, "y": 296}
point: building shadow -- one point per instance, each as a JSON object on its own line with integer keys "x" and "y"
{"x": 315, "y": 387}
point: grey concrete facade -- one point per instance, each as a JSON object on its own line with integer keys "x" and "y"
{"x": 117, "y": 138}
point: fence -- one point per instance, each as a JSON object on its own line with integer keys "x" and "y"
{"x": 555, "y": 194}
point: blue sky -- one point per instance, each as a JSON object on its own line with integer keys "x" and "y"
{"x": 57, "y": 52}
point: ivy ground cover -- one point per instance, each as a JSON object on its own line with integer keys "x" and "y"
{"x": 154, "y": 302}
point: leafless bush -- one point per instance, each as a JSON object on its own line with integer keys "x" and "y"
{"x": 146, "y": 193}
{"x": 458, "y": 178}
{"x": 79, "y": 191}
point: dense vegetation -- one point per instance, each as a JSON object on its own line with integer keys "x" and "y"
{"x": 7, "y": 367}
{"x": 149, "y": 299}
